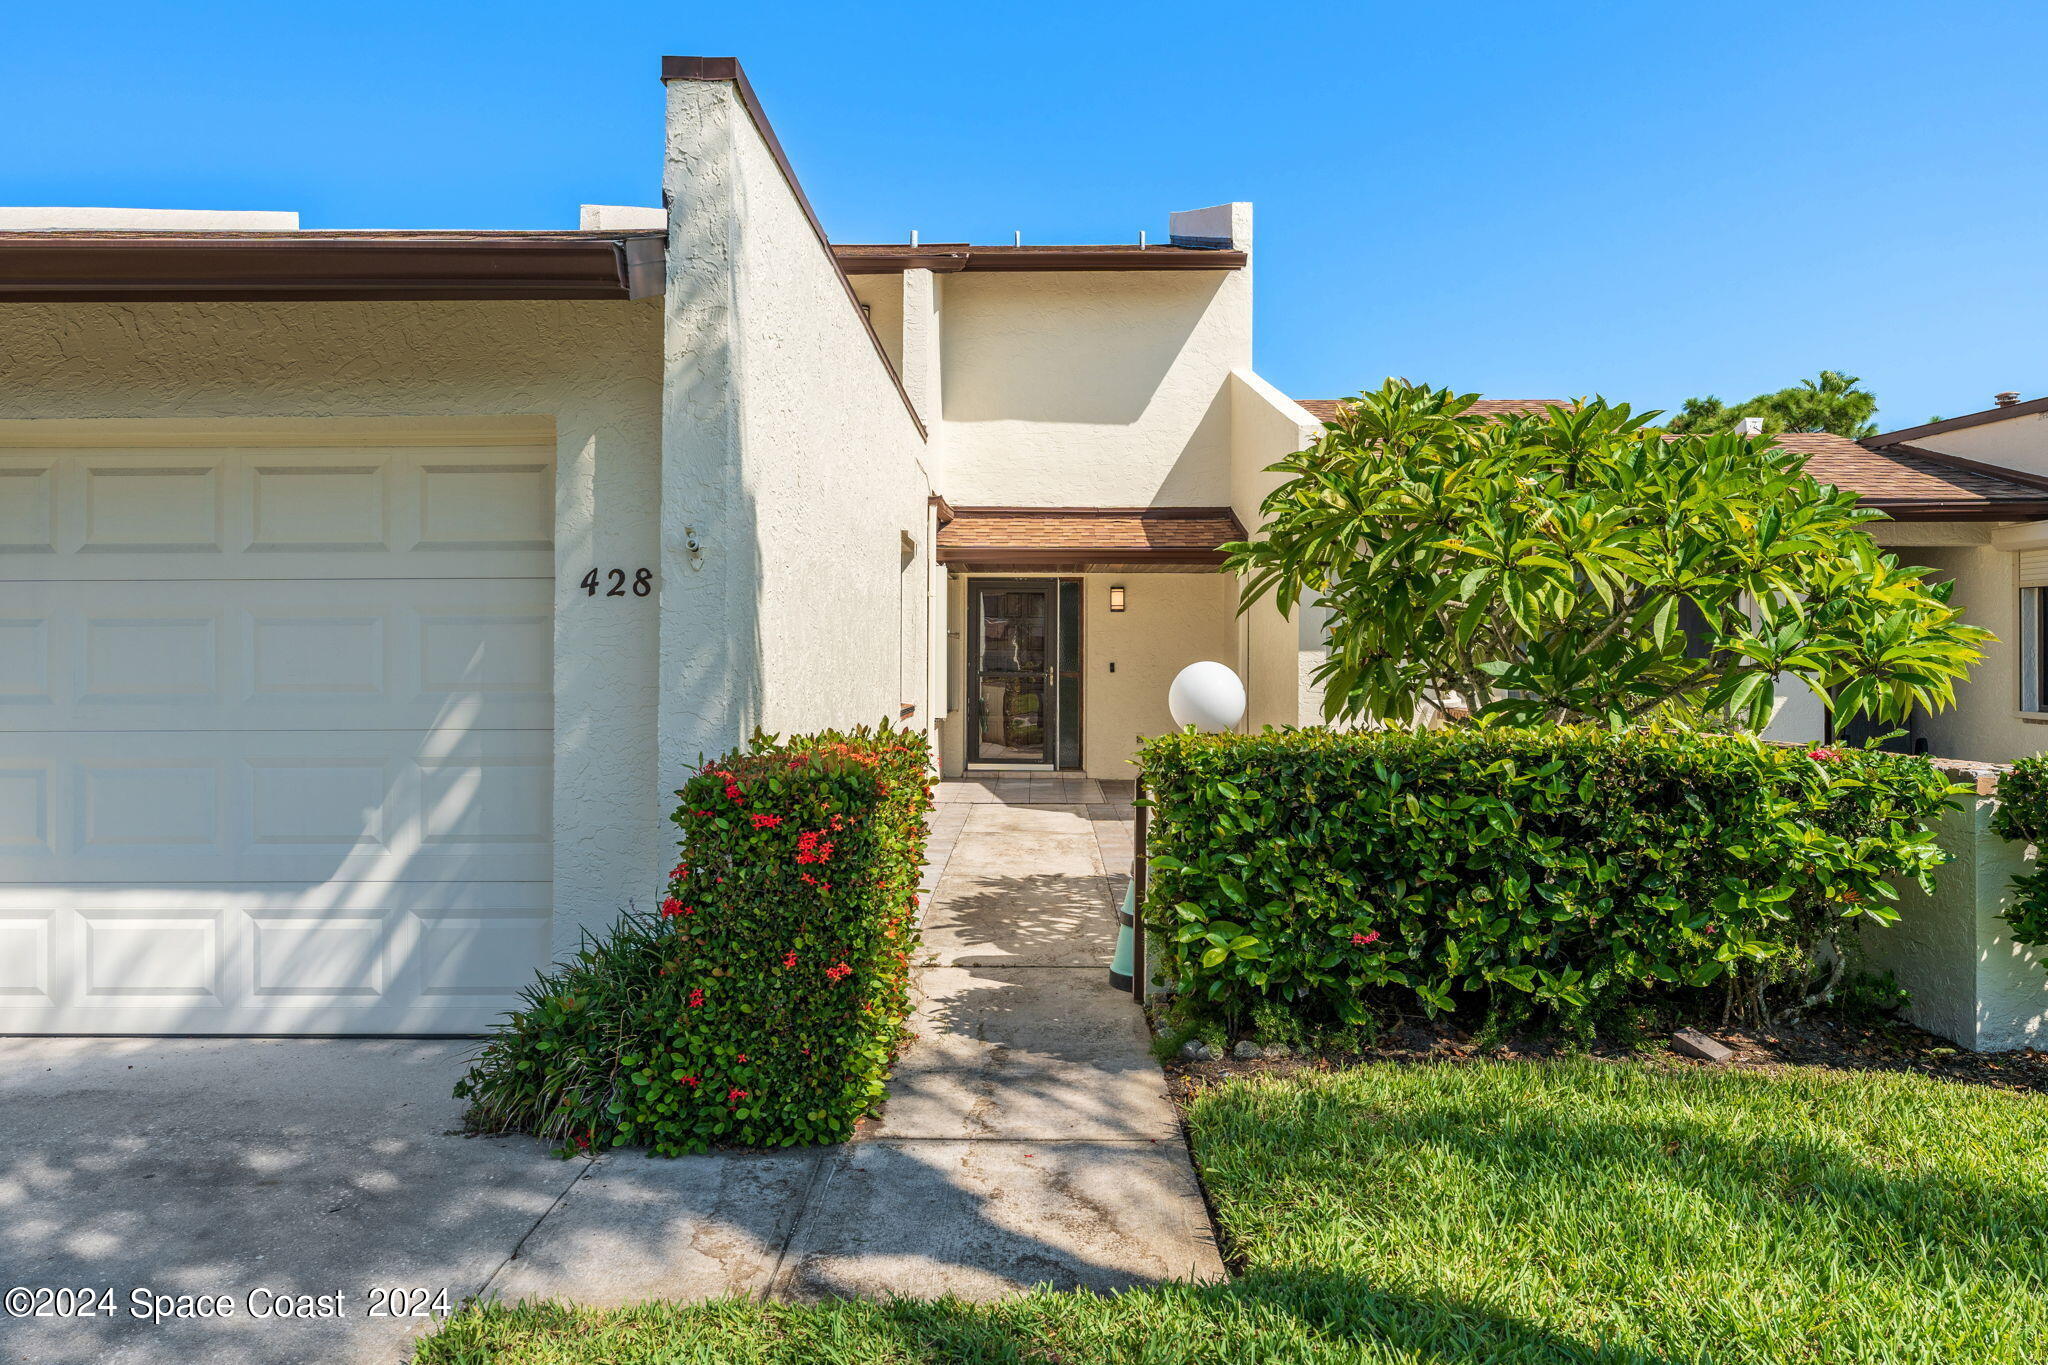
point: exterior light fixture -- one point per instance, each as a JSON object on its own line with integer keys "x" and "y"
{"x": 1116, "y": 597}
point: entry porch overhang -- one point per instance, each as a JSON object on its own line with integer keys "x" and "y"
{"x": 1042, "y": 540}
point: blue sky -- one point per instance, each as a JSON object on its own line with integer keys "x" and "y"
{"x": 1530, "y": 200}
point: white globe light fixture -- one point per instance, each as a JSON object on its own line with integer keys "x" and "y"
{"x": 1208, "y": 696}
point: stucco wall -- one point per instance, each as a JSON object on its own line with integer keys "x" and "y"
{"x": 2016, "y": 442}
{"x": 1266, "y": 426}
{"x": 789, "y": 459}
{"x": 1985, "y": 723}
{"x": 1970, "y": 982}
{"x": 1169, "y": 621}
{"x": 593, "y": 367}
{"x": 1091, "y": 389}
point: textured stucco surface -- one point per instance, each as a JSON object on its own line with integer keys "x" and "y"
{"x": 1091, "y": 390}
{"x": 2016, "y": 442}
{"x": 593, "y": 367}
{"x": 1970, "y": 982}
{"x": 1266, "y": 426}
{"x": 1985, "y": 723}
{"x": 789, "y": 457}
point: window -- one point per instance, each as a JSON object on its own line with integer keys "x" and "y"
{"x": 2033, "y": 631}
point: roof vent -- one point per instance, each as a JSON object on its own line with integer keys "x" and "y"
{"x": 1750, "y": 426}
{"x": 2006, "y": 399}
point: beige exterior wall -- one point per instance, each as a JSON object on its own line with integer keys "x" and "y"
{"x": 594, "y": 368}
{"x": 1266, "y": 426}
{"x": 1091, "y": 389}
{"x": 1986, "y": 723}
{"x": 1170, "y": 620}
{"x": 2016, "y": 443}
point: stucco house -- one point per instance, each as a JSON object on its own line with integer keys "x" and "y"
{"x": 363, "y": 595}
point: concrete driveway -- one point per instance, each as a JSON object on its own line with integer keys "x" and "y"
{"x": 1027, "y": 1140}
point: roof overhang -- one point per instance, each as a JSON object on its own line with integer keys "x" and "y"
{"x": 952, "y": 257}
{"x": 1087, "y": 539}
{"x": 179, "y": 267}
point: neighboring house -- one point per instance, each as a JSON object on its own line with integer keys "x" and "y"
{"x": 364, "y": 596}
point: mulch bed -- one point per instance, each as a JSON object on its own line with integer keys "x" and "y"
{"x": 1814, "y": 1042}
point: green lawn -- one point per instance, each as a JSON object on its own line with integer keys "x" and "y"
{"x": 1497, "y": 1212}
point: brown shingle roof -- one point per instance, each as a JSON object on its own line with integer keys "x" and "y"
{"x": 1325, "y": 409}
{"x": 1907, "y": 482}
{"x": 1917, "y": 485}
{"x": 1025, "y": 535}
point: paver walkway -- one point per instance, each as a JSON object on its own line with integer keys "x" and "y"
{"x": 1028, "y": 1139}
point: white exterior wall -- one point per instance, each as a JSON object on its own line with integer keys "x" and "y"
{"x": 1970, "y": 982}
{"x": 594, "y": 368}
{"x": 789, "y": 459}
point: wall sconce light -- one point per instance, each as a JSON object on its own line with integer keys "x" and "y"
{"x": 1116, "y": 597}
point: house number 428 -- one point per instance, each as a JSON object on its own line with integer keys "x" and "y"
{"x": 614, "y": 583}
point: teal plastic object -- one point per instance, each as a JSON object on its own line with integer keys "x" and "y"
{"x": 1126, "y": 921}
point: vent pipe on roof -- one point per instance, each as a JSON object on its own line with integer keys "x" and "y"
{"x": 1750, "y": 426}
{"x": 2005, "y": 400}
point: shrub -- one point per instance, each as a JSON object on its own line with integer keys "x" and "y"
{"x": 1561, "y": 872}
{"x": 2022, "y": 816}
{"x": 1579, "y": 565}
{"x": 765, "y": 1002}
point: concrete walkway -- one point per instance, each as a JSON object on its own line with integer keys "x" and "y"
{"x": 1027, "y": 1139}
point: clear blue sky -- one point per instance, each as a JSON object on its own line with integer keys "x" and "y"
{"x": 1526, "y": 199}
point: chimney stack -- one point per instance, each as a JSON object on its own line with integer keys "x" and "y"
{"x": 2005, "y": 400}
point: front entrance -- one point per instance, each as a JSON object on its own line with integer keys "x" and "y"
{"x": 1024, "y": 673}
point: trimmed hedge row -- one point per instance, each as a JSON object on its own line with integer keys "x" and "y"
{"x": 1555, "y": 871}
{"x": 764, "y": 1004}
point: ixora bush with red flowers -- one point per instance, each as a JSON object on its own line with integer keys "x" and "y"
{"x": 764, "y": 1003}
{"x": 1556, "y": 873}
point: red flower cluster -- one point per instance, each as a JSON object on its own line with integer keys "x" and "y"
{"x": 838, "y": 971}
{"x": 732, "y": 788}
{"x": 735, "y": 1094}
{"x": 690, "y": 1080}
{"x": 678, "y": 872}
{"x": 671, "y": 907}
{"x": 1360, "y": 940}
{"x": 809, "y": 880}
{"x": 765, "y": 821}
{"x": 1824, "y": 755}
{"x": 810, "y": 849}
{"x": 696, "y": 997}
{"x": 789, "y": 959}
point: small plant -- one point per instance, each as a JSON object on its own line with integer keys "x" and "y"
{"x": 2022, "y": 816}
{"x": 764, "y": 1003}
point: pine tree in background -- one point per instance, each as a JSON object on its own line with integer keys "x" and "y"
{"x": 1831, "y": 403}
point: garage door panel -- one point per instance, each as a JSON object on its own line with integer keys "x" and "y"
{"x": 284, "y": 656}
{"x": 262, "y": 512}
{"x": 271, "y": 805}
{"x": 268, "y": 958}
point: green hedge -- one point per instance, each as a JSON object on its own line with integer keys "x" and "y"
{"x": 1558, "y": 871}
{"x": 764, "y": 1004}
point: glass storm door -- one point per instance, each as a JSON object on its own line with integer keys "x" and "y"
{"x": 1014, "y": 646}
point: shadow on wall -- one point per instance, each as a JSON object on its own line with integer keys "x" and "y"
{"x": 1039, "y": 348}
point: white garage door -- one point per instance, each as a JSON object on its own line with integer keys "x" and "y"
{"x": 275, "y": 730}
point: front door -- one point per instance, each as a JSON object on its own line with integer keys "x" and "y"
{"x": 1011, "y": 653}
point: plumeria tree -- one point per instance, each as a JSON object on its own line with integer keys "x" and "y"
{"x": 1580, "y": 565}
